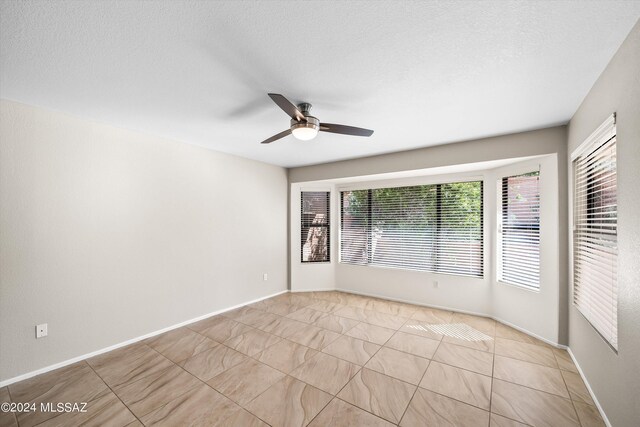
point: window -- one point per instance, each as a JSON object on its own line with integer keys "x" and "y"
{"x": 520, "y": 230}
{"x": 595, "y": 241}
{"x": 315, "y": 227}
{"x": 435, "y": 228}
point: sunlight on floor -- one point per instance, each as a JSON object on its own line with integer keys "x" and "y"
{"x": 455, "y": 330}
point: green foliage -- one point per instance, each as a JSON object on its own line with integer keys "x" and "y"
{"x": 464, "y": 198}
{"x": 416, "y": 207}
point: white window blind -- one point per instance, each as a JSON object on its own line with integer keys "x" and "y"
{"x": 315, "y": 227}
{"x": 595, "y": 242}
{"x": 427, "y": 227}
{"x": 520, "y": 230}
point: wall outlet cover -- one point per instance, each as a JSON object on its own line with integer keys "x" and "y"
{"x": 41, "y": 330}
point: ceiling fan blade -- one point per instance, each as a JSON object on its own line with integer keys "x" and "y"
{"x": 287, "y": 106}
{"x": 345, "y": 130}
{"x": 276, "y": 137}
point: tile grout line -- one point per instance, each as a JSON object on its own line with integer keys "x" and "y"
{"x": 419, "y": 382}
{"x": 535, "y": 389}
{"x": 192, "y": 355}
{"x": 287, "y": 374}
{"x": 492, "y": 377}
{"x": 573, "y": 404}
{"x": 532, "y": 363}
{"x": 493, "y": 370}
{"x": 461, "y": 368}
{"x": 430, "y": 360}
{"x": 94, "y": 398}
{"x": 444, "y": 395}
{"x": 187, "y": 391}
{"x": 202, "y": 381}
{"x": 358, "y": 371}
{"x": 360, "y": 368}
{"x": 260, "y": 352}
{"x": 115, "y": 394}
{"x": 285, "y": 377}
{"x": 464, "y": 369}
{"x": 15, "y": 414}
{"x": 509, "y": 418}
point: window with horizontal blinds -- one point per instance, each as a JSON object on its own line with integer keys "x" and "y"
{"x": 520, "y": 230}
{"x": 435, "y": 228}
{"x": 315, "y": 227}
{"x": 595, "y": 241}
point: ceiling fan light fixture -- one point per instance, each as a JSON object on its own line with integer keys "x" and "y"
{"x": 304, "y": 133}
{"x": 306, "y": 130}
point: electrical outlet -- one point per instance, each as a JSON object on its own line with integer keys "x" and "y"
{"x": 265, "y": 277}
{"x": 435, "y": 283}
{"x": 41, "y": 330}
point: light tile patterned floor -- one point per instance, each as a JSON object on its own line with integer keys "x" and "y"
{"x": 320, "y": 359}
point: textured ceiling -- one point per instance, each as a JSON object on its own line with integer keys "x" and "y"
{"x": 419, "y": 73}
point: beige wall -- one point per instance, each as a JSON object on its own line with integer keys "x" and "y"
{"x": 615, "y": 378}
{"x": 107, "y": 234}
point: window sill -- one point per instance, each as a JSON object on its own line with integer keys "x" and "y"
{"x": 524, "y": 288}
{"x": 440, "y": 273}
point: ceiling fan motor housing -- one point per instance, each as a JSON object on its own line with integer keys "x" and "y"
{"x": 310, "y": 122}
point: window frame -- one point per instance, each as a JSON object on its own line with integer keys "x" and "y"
{"x": 598, "y": 138}
{"x": 326, "y": 226}
{"x": 515, "y": 172}
{"x": 410, "y": 182}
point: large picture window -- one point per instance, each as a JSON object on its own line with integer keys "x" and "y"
{"x": 520, "y": 230}
{"x": 595, "y": 232}
{"x": 434, "y": 228}
{"x": 315, "y": 227}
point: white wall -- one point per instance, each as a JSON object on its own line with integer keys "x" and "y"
{"x": 517, "y": 306}
{"x": 462, "y": 293}
{"x": 107, "y": 234}
{"x": 615, "y": 377}
{"x": 534, "y": 311}
{"x": 311, "y": 276}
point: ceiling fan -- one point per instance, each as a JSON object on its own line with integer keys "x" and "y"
{"x": 304, "y": 126}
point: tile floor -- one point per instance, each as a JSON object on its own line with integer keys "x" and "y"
{"x": 320, "y": 359}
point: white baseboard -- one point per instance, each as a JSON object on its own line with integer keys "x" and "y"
{"x": 294, "y": 291}
{"x": 128, "y": 342}
{"x": 593, "y": 396}
{"x": 349, "y": 291}
{"x": 524, "y": 331}
{"x": 369, "y": 294}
